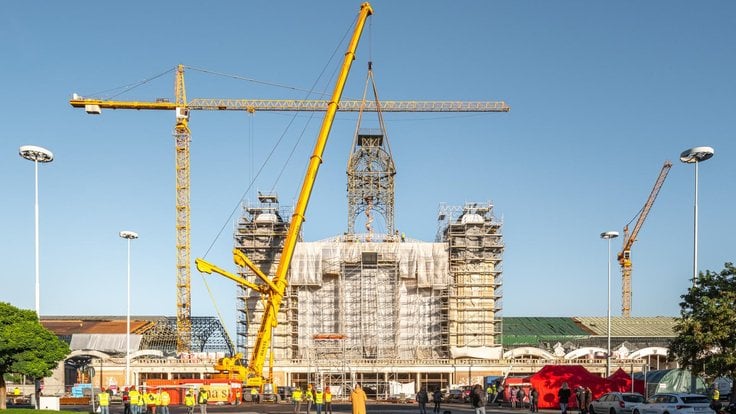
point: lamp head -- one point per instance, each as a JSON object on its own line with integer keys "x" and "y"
{"x": 609, "y": 235}
{"x": 130, "y": 235}
{"x": 36, "y": 154}
{"x": 696, "y": 154}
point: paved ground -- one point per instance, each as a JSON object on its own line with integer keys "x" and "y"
{"x": 338, "y": 408}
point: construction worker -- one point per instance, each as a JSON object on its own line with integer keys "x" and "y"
{"x": 150, "y": 403}
{"x": 715, "y": 397}
{"x": 328, "y": 400}
{"x": 309, "y": 397}
{"x": 104, "y": 400}
{"x": 142, "y": 401}
{"x": 189, "y": 401}
{"x": 238, "y": 396}
{"x": 126, "y": 401}
{"x": 296, "y": 396}
{"x": 16, "y": 392}
{"x": 202, "y": 397}
{"x": 164, "y": 399}
{"x": 319, "y": 399}
{"x": 254, "y": 395}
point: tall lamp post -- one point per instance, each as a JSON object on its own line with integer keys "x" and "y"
{"x": 36, "y": 154}
{"x": 129, "y": 235}
{"x": 695, "y": 156}
{"x": 608, "y": 235}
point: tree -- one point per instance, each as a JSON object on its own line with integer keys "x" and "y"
{"x": 26, "y": 347}
{"x": 705, "y": 332}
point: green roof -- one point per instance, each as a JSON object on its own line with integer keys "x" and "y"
{"x": 532, "y": 330}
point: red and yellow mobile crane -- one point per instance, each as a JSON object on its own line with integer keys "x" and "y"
{"x": 624, "y": 256}
{"x": 274, "y": 288}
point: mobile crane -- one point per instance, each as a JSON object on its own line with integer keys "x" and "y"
{"x": 274, "y": 288}
{"x": 624, "y": 256}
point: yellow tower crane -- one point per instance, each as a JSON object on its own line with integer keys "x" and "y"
{"x": 182, "y": 137}
{"x": 624, "y": 256}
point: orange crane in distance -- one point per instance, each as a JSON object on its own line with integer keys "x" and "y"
{"x": 624, "y": 256}
{"x": 182, "y": 137}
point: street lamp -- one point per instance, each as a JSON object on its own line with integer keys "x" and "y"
{"x": 129, "y": 235}
{"x": 36, "y": 154}
{"x": 608, "y": 235}
{"x": 695, "y": 156}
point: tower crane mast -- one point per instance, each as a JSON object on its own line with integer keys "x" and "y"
{"x": 182, "y": 138}
{"x": 624, "y": 256}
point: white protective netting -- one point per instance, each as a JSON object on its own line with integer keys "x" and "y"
{"x": 390, "y": 309}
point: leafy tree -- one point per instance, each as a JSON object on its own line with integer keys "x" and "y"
{"x": 26, "y": 347}
{"x": 705, "y": 339}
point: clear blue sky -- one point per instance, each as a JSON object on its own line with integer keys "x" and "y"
{"x": 602, "y": 93}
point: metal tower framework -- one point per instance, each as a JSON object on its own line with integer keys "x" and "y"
{"x": 371, "y": 174}
{"x": 475, "y": 253}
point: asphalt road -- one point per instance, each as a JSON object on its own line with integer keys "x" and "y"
{"x": 337, "y": 408}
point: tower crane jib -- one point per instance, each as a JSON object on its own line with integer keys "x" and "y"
{"x": 624, "y": 256}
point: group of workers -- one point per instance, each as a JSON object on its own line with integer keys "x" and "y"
{"x": 137, "y": 402}
{"x": 321, "y": 399}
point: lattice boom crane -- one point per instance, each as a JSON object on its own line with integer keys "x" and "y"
{"x": 182, "y": 138}
{"x": 624, "y": 256}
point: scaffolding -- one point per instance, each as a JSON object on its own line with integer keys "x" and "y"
{"x": 475, "y": 245}
{"x": 207, "y": 336}
{"x": 386, "y": 302}
{"x": 260, "y": 234}
{"x": 356, "y": 308}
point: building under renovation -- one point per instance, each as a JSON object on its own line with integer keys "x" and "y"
{"x": 376, "y": 307}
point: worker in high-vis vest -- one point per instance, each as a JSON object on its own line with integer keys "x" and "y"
{"x": 189, "y": 401}
{"x": 164, "y": 400}
{"x": 150, "y": 398}
{"x": 142, "y": 401}
{"x": 309, "y": 397}
{"x": 328, "y": 400}
{"x": 296, "y": 396}
{"x": 319, "y": 399}
{"x": 202, "y": 397}
{"x": 254, "y": 395}
{"x": 104, "y": 400}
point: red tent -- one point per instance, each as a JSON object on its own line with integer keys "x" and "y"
{"x": 621, "y": 381}
{"x": 550, "y": 378}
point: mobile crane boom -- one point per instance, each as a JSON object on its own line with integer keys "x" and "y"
{"x": 624, "y": 256}
{"x": 279, "y": 282}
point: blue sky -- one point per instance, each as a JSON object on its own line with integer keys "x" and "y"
{"x": 602, "y": 93}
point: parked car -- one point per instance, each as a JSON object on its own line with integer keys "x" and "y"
{"x": 456, "y": 395}
{"x": 617, "y": 403}
{"x": 677, "y": 403}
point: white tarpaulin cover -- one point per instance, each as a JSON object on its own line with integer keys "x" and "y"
{"x": 425, "y": 262}
{"x": 482, "y": 352}
{"x": 107, "y": 343}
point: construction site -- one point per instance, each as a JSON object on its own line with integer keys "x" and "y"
{"x": 368, "y": 306}
{"x": 375, "y": 308}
